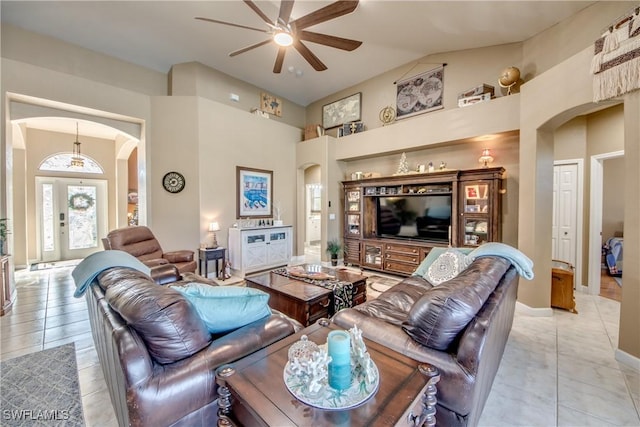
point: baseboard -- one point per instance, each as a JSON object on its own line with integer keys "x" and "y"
{"x": 533, "y": 312}
{"x": 627, "y": 359}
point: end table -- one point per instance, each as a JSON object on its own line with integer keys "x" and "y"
{"x": 206, "y": 255}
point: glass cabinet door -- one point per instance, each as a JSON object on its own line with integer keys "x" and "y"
{"x": 476, "y": 231}
{"x": 373, "y": 255}
{"x": 475, "y": 225}
{"x": 476, "y": 198}
{"x": 353, "y": 224}
{"x": 353, "y": 201}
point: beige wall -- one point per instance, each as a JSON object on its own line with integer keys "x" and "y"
{"x": 629, "y": 338}
{"x": 612, "y": 197}
{"x": 195, "y": 79}
{"x": 465, "y": 69}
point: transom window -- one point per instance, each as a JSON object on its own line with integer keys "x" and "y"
{"x": 61, "y": 162}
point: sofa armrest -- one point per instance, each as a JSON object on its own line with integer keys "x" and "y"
{"x": 178, "y": 256}
{"x": 165, "y": 273}
{"x": 155, "y": 262}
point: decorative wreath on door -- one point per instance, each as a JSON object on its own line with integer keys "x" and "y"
{"x": 81, "y": 202}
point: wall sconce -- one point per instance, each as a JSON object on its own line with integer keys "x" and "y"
{"x": 212, "y": 242}
{"x": 486, "y": 158}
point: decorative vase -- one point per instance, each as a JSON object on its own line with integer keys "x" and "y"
{"x": 334, "y": 260}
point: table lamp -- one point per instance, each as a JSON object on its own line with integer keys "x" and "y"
{"x": 212, "y": 242}
{"x": 486, "y": 158}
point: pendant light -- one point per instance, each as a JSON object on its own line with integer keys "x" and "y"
{"x": 76, "y": 160}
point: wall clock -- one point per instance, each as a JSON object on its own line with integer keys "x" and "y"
{"x": 173, "y": 182}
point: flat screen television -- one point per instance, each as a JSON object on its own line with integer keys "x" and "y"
{"x": 414, "y": 216}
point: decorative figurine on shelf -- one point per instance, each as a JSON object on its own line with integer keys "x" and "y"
{"x": 442, "y": 166}
{"x": 430, "y": 167}
{"x": 403, "y": 167}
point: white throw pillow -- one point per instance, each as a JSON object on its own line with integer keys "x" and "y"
{"x": 447, "y": 266}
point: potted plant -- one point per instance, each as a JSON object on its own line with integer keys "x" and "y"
{"x": 334, "y": 248}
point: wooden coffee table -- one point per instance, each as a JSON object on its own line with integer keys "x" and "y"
{"x": 253, "y": 393}
{"x": 303, "y": 301}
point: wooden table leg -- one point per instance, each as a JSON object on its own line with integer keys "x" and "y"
{"x": 224, "y": 395}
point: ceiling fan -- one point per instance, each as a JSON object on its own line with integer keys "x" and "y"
{"x": 285, "y": 32}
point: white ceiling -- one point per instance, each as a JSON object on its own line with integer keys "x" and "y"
{"x": 158, "y": 34}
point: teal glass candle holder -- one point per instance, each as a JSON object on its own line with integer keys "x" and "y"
{"x": 339, "y": 348}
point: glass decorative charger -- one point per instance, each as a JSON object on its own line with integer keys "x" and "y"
{"x": 330, "y": 398}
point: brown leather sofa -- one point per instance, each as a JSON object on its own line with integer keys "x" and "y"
{"x": 140, "y": 242}
{"x": 157, "y": 356}
{"x": 460, "y": 326}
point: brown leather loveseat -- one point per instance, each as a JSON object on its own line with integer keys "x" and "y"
{"x": 460, "y": 326}
{"x": 157, "y": 356}
{"x": 140, "y": 242}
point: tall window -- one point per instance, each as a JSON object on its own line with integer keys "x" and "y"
{"x": 61, "y": 162}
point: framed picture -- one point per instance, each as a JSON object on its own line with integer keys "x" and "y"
{"x": 473, "y": 191}
{"x": 342, "y": 111}
{"x": 270, "y": 104}
{"x": 254, "y": 192}
{"x": 420, "y": 94}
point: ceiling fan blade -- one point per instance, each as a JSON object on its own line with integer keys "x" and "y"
{"x": 215, "y": 21}
{"x": 277, "y": 67}
{"x": 257, "y": 10}
{"x": 253, "y": 46}
{"x": 286, "y": 6}
{"x": 327, "y": 40}
{"x": 309, "y": 56}
{"x": 334, "y": 10}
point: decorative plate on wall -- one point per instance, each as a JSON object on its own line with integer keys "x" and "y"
{"x": 173, "y": 182}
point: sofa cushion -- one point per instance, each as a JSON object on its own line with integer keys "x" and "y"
{"x": 447, "y": 266}
{"x": 445, "y": 310}
{"x": 433, "y": 254}
{"x": 394, "y": 304}
{"x": 224, "y": 308}
{"x": 165, "y": 320}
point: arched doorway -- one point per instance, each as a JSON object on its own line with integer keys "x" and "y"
{"x": 41, "y": 128}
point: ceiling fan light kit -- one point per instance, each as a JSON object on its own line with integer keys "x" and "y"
{"x": 285, "y": 32}
{"x": 283, "y": 39}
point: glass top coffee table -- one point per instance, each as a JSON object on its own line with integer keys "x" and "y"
{"x": 253, "y": 393}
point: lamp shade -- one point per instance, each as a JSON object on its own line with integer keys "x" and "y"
{"x": 486, "y": 157}
{"x": 214, "y": 226}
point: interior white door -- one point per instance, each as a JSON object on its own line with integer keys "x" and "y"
{"x": 565, "y": 201}
{"x": 72, "y": 217}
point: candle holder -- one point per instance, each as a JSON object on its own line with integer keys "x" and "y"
{"x": 339, "y": 349}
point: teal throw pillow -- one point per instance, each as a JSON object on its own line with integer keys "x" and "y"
{"x": 225, "y": 308}
{"x": 433, "y": 254}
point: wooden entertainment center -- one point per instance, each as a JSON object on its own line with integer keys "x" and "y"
{"x": 457, "y": 208}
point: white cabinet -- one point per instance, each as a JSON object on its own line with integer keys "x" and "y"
{"x": 256, "y": 249}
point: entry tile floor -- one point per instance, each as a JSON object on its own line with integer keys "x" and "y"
{"x": 556, "y": 371}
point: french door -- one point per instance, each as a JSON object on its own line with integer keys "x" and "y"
{"x": 71, "y": 217}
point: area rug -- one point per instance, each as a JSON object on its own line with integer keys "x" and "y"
{"x": 378, "y": 284}
{"x": 41, "y": 389}
{"x": 618, "y": 280}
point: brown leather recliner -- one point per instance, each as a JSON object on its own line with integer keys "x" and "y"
{"x": 140, "y": 242}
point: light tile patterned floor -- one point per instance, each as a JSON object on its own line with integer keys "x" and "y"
{"x": 556, "y": 371}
